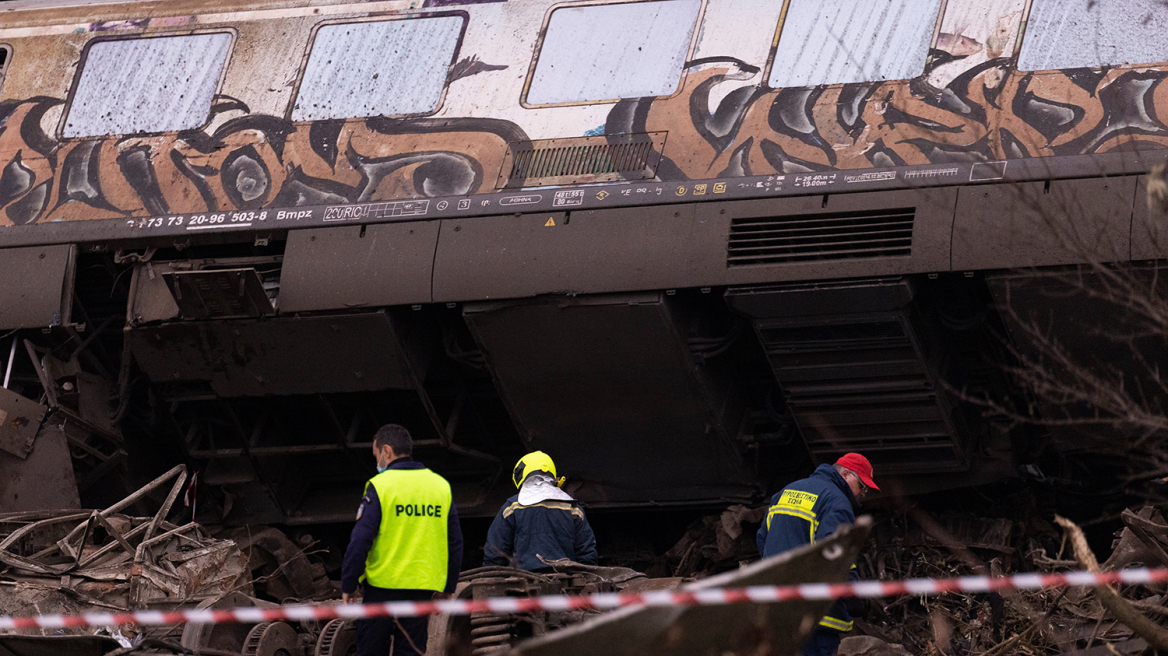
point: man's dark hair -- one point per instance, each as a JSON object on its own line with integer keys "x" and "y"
{"x": 397, "y": 437}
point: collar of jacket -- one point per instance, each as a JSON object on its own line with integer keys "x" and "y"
{"x": 405, "y": 462}
{"x": 828, "y": 471}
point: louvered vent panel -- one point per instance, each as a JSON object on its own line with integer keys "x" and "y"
{"x": 583, "y": 160}
{"x": 828, "y": 236}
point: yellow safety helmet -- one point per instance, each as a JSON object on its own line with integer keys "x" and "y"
{"x": 536, "y": 461}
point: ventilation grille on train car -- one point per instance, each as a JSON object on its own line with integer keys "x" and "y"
{"x": 583, "y": 160}
{"x": 828, "y": 236}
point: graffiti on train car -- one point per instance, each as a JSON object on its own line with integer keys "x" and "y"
{"x": 987, "y": 113}
{"x": 249, "y": 162}
{"x": 252, "y": 161}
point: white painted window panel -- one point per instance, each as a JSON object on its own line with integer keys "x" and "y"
{"x": 1092, "y": 33}
{"x": 385, "y": 68}
{"x": 848, "y": 41}
{"x": 160, "y": 84}
{"x": 608, "y": 52}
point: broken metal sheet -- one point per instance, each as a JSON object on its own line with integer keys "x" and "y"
{"x": 37, "y": 287}
{"x": 43, "y": 480}
{"x": 777, "y": 628}
{"x": 20, "y": 419}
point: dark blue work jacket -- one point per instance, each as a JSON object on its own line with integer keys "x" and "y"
{"x": 552, "y": 529}
{"x": 805, "y": 511}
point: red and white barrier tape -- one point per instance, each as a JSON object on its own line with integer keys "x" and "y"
{"x": 603, "y": 601}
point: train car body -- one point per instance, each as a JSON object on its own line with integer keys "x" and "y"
{"x": 686, "y": 246}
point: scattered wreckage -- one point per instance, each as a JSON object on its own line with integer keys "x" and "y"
{"x": 121, "y": 558}
{"x": 70, "y": 562}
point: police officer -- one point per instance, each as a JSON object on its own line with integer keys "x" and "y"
{"x": 814, "y": 508}
{"x": 542, "y": 520}
{"x": 406, "y": 545}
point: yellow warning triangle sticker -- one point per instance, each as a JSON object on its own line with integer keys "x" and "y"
{"x": 551, "y": 222}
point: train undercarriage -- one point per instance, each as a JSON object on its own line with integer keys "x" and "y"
{"x": 687, "y": 397}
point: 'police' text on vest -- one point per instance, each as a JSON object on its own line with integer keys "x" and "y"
{"x": 417, "y": 510}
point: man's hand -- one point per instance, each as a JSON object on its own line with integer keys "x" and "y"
{"x": 440, "y": 596}
{"x": 345, "y": 597}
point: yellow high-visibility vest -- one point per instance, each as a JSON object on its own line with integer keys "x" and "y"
{"x": 411, "y": 550}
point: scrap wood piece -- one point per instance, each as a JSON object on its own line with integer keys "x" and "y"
{"x": 1156, "y": 635}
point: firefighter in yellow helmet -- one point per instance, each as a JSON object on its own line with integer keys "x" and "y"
{"x": 542, "y": 520}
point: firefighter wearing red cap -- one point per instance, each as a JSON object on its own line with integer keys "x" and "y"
{"x": 811, "y": 509}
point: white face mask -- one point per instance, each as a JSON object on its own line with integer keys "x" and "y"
{"x": 381, "y": 467}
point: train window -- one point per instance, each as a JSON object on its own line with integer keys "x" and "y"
{"x": 847, "y": 41}
{"x": 633, "y": 50}
{"x": 152, "y": 84}
{"x": 5, "y": 58}
{"x": 1088, "y": 34}
{"x": 382, "y": 68}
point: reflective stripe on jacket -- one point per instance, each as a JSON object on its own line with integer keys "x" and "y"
{"x": 805, "y": 511}
{"x": 410, "y": 551}
{"x": 553, "y": 529}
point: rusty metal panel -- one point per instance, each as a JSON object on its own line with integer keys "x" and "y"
{"x": 355, "y": 266}
{"x": 843, "y": 41}
{"x": 219, "y": 293}
{"x": 634, "y": 50}
{"x": 20, "y": 419}
{"x": 826, "y": 220}
{"x": 157, "y": 84}
{"x": 1043, "y": 224}
{"x": 150, "y": 296}
{"x": 42, "y": 481}
{"x": 37, "y": 286}
{"x": 589, "y": 252}
{"x": 1149, "y": 234}
{"x": 606, "y": 382}
{"x": 1085, "y": 33}
{"x": 379, "y": 68}
{"x": 291, "y": 355}
{"x": 777, "y": 629}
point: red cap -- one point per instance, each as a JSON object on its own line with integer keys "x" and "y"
{"x": 860, "y": 465}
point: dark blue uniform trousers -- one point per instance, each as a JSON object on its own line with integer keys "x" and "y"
{"x": 375, "y": 636}
{"x": 822, "y": 643}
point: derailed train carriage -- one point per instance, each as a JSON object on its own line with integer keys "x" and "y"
{"x": 688, "y": 247}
